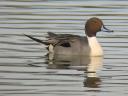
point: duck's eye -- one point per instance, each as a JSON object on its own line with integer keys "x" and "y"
{"x": 94, "y": 21}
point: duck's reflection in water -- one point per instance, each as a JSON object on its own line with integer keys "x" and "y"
{"x": 90, "y": 65}
{"x": 92, "y": 80}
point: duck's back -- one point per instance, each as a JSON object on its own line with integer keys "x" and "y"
{"x": 67, "y": 44}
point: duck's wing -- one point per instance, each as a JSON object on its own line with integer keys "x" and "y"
{"x": 61, "y": 39}
{"x": 56, "y": 39}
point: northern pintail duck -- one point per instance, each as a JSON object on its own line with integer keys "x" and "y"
{"x": 67, "y": 44}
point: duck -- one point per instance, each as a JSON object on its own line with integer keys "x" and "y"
{"x": 69, "y": 44}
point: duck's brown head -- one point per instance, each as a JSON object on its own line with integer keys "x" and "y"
{"x": 94, "y": 25}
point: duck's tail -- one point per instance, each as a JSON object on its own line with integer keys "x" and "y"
{"x": 37, "y": 40}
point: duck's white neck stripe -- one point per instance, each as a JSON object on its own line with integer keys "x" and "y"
{"x": 96, "y": 49}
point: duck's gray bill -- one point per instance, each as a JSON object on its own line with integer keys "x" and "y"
{"x": 104, "y": 29}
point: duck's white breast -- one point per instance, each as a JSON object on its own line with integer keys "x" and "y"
{"x": 95, "y": 47}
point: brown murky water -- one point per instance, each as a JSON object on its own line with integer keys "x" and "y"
{"x": 24, "y": 66}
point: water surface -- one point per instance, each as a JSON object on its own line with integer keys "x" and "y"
{"x": 24, "y": 66}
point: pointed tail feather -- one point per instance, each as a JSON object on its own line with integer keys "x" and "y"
{"x": 37, "y": 40}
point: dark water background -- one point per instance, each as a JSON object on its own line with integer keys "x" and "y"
{"x": 24, "y": 67}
